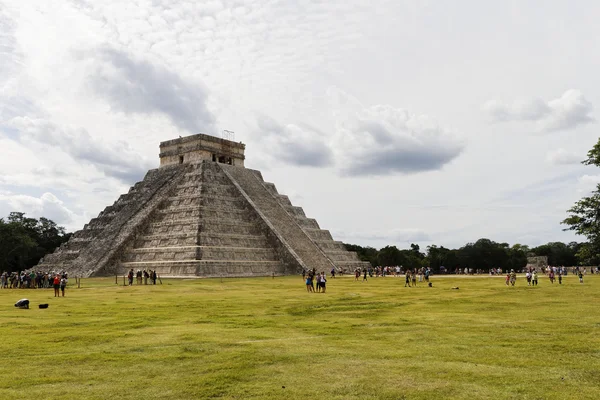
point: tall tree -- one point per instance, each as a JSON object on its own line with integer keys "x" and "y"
{"x": 24, "y": 240}
{"x": 584, "y": 216}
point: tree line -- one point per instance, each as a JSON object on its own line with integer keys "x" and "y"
{"x": 24, "y": 241}
{"x": 484, "y": 254}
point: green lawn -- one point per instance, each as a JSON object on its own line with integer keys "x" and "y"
{"x": 267, "y": 338}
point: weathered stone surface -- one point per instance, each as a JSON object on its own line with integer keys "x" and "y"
{"x": 196, "y": 217}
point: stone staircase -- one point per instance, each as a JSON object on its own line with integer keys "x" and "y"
{"x": 96, "y": 248}
{"x": 202, "y": 219}
{"x": 285, "y": 226}
{"x": 205, "y": 228}
{"x": 343, "y": 259}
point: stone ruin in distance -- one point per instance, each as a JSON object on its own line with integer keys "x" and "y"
{"x": 201, "y": 213}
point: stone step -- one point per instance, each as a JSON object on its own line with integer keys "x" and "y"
{"x": 190, "y": 190}
{"x": 183, "y": 201}
{"x": 181, "y": 197}
{"x": 307, "y": 222}
{"x": 76, "y": 243}
{"x": 190, "y": 183}
{"x": 231, "y": 227}
{"x": 223, "y": 201}
{"x": 208, "y": 268}
{"x": 341, "y": 255}
{"x": 327, "y": 245}
{"x": 305, "y": 251}
{"x": 271, "y": 187}
{"x": 237, "y": 253}
{"x": 161, "y": 254}
{"x": 215, "y": 215}
{"x": 169, "y": 214}
{"x": 171, "y": 226}
{"x": 167, "y": 240}
{"x": 226, "y": 239}
{"x": 318, "y": 234}
{"x": 196, "y": 173}
{"x": 195, "y": 211}
{"x": 295, "y": 211}
{"x": 284, "y": 200}
{"x": 61, "y": 256}
{"x": 176, "y": 208}
{"x": 215, "y": 189}
{"x": 88, "y": 232}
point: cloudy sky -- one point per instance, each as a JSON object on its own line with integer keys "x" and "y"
{"x": 390, "y": 122}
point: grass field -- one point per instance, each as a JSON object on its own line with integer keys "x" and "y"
{"x": 266, "y": 338}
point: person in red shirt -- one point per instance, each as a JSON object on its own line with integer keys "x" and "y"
{"x": 56, "y": 284}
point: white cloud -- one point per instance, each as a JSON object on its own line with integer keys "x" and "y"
{"x": 563, "y": 157}
{"x": 566, "y": 112}
{"x": 47, "y": 205}
{"x": 116, "y": 159}
{"x": 384, "y": 140}
{"x": 277, "y": 58}
{"x": 137, "y": 86}
{"x": 292, "y": 144}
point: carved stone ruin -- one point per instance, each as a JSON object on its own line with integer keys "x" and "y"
{"x": 537, "y": 262}
{"x": 201, "y": 214}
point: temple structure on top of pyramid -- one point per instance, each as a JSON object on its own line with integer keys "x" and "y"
{"x": 202, "y": 213}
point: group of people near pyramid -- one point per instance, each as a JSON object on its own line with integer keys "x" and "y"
{"x": 553, "y": 273}
{"x": 313, "y": 276}
{"x": 140, "y": 276}
{"x": 35, "y": 280}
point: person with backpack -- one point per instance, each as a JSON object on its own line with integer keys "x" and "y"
{"x": 63, "y": 285}
{"x": 56, "y": 285}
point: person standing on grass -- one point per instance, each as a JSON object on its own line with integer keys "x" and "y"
{"x": 130, "y": 277}
{"x": 56, "y": 285}
{"x": 528, "y": 277}
{"x": 507, "y": 279}
{"x": 534, "y": 278}
{"x": 318, "y": 283}
{"x": 551, "y": 276}
{"x": 308, "y": 285}
{"x": 333, "y": 272}
{"x": 63, "y": 285}
{"x": 513, "y": 277}
{"x": 356, "y": 274}
{"x": 559, "y": 276}
{"x": 323, "y": 282}
{"x": 407, "y": 277}
{"x": 413, "y": 277}
{"x": 365, "y": 275}
{"x": 580, "y": 277}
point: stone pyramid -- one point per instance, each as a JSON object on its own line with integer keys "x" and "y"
{"x": 202, "y": 213}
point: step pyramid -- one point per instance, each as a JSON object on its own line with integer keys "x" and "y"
{"x": 202, "y": 213}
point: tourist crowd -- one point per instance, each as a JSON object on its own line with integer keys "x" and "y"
{"x": 140, "y": 276}
{"x": 30, "y": 279}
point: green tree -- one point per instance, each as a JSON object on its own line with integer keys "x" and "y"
{"x": 23, "y": 240}
{"x": 584, "y": 217}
